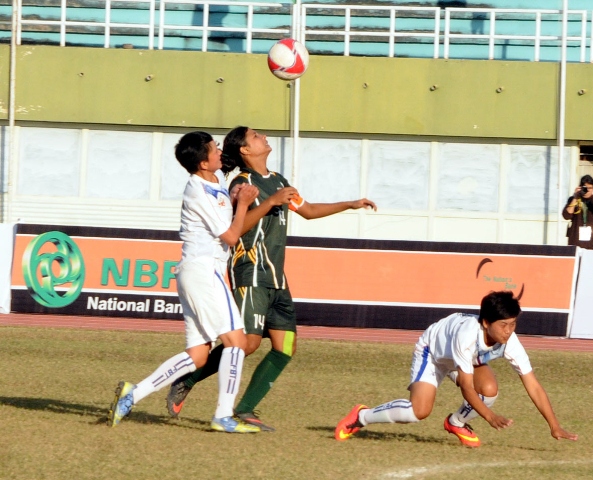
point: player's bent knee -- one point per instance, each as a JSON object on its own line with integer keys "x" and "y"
{"x": 421, "y": 411}
{"x": 252, "y": 344}
{"x": 487, "y": 386}
{"x": 488, "y": 390}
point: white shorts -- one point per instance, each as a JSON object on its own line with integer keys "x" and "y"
{"x": 208, "y": 306}
{"x": 424, "y": 368}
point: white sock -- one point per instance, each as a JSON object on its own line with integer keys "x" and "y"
{"x": 165, "y": 375}
{"x": 229, "y": 380}
{"x": 466, "y": 412}
{"x": 396, "y": 411}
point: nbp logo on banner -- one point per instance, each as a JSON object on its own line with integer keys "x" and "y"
{"x": 53, "y": 269}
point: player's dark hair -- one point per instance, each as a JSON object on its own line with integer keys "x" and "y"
{"x": 499, "y": 306}
{"x": 231, "y": 149}
{"x": 586, "y": 179}
{"x": 192, "y": 149}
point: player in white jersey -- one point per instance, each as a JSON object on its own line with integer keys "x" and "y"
{"x": 460, "y": 347}
{"x": 207, "y": 230}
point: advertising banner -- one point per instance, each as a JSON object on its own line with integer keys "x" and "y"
{"x": 93, "y": 271}
{"x": 357, "y": 283}
{"x": 7, "y": 234}
{"x": 413, "y": 284}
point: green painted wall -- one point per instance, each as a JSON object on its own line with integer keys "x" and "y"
{"x": 464, "y": 102}
{"x": 109, "y": 86}
{"x": 355, "y": 95}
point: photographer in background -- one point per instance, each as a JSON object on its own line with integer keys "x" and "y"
{"x": 579, "y": 210}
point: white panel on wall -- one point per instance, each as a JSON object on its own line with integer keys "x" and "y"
{"x": 396, "y": 227}
{"x": 342, "y": 225}
{"x": 529, "y": 232}
{"x": 280, "y": 158}
{"x": 4, "y": 160}
{"x": 468, "y": 177}
{"x": 49, "y": 162}
{"x": 475, "y": 230}
{"x": 329, "y": 170}
{"x": 533, "y": 177}
{"x": 398, "y": 174}
{"x": 119, "y": 164}
{"x": 173, "y": 175}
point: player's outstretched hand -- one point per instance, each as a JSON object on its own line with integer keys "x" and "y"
{"x": 559, "y": 433}
{"x": 363, "y": 203}
{"x": 499, "y": 422}
{"x": 247, "y": 194}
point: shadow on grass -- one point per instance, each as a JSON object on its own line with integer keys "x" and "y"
{"x": 100, "y": 414}
{"x": 371, "y": 435}
{"x": 410, "y": 437}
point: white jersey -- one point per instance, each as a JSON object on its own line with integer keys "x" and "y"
{"x": 457, "y": 341}
{"x": 206, "y": 213}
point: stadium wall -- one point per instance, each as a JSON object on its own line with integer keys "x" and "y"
{"x": 346, "y": 95}
{"x": 340, "y": 282}
{"x": 445, "y": 156}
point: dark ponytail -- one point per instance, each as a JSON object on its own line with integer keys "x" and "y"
{"x": 231, "y": 149}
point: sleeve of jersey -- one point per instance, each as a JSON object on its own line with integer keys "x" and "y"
{"x": 201, "y": 206}
{"x": 462, "y": 351}
{"x": 297, "y": 201}
{"x": 517, "y": 356}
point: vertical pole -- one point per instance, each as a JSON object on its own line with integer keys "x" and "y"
{"x": 562, "y": 121}
{"x": 12, "y": 105}
{"x": 295, "y": 104}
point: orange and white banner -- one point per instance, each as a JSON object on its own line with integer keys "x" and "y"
{"x": 358, "y": 283}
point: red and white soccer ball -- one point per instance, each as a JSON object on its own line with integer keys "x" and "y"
{"x": 288, "y": 59}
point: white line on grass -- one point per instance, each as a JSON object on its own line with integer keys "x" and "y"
{"x": 438, "y": 469}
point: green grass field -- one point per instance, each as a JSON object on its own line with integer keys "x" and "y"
{"x": 56, "y": 386}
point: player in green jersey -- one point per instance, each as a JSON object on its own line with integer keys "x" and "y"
{"x": 256, "y": 270}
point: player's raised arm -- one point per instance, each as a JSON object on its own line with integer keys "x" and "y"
{"x": 254, "y": 215}
{"x": 245, "y": 197}
{"x": 540, "y": 398}
{"x": 311, "y": 211}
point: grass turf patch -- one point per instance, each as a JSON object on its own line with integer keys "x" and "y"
{"x": 56, "y": 386}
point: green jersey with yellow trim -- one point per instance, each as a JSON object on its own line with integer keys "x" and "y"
{"x": 258, "y": 258}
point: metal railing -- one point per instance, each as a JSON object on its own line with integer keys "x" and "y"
{"x": 372, "y": 30}
{"x": 493, "y": 38}
{"x": 249, "y": 30}
{"x": 390, "y": 33}
{"x": 64, "y": 24}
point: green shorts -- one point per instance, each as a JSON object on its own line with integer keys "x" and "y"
{"x": 265, "y": 309}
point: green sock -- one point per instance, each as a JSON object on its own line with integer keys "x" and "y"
{"x": 264, "y": 376}
{"x": 210, "y": 368}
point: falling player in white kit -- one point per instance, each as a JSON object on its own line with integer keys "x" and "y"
{"x": 207, "y": 230}
{"x": 460, "y": 347}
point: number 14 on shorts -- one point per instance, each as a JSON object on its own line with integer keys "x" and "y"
{"x": 258, "y": 321}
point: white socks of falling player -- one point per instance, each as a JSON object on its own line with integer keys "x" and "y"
{"x": 397, "y": 411}
{"x": 229, "y": 379}
{"x": 165, "y": 375}
{"x": 466, "y": 413}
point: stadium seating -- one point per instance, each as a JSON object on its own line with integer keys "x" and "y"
{"x": 459, "y": 29}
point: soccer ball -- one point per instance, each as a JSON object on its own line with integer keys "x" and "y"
{"x": 288, "y": 59}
